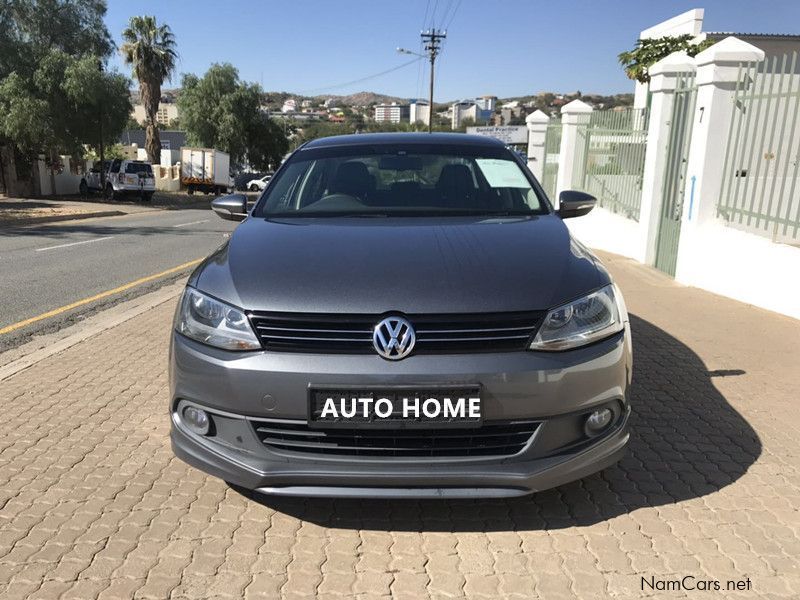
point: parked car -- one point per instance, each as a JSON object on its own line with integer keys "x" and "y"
{"x": 258, "y": 185}
{"x": 242, "y": 179}
{"x": 122, "y": 178}
{"x": 401, "y": 315}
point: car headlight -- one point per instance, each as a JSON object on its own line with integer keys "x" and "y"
{"x": 583, "y": 321}
{"x": 215, "y": 323}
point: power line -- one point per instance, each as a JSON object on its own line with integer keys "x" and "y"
{"x": 433, "y": 14}
{"x": 367, "y": 78}
{"x": 453, "y": 16}
{"x": 425, "y": 16}
{"x": 446, "y": 12}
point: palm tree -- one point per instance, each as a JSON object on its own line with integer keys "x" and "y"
{"x": 150, "y": 49}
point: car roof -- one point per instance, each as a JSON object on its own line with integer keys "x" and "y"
{"x": 371, "y": 139}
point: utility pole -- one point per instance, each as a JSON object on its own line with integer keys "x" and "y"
{"x": 432, "y": 38}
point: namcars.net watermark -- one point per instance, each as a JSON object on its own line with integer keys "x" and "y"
{"x": 690, "y": 583}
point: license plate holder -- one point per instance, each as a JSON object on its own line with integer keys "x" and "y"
{"x": 318, "y": 394}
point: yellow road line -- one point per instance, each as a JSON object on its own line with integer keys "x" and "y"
{"x": 100, "y": 296}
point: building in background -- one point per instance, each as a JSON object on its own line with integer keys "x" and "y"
{"x": 133, "y": 144}
{"x": 419, "y": 110}
{"x": 468, "y": 109}
{"x": 691, "y": 23}
{"x": 392, "y": 113}
{"x": 486, "y": 103}
{"x": 167, "y": 112}
{"x": 289, "y": 106}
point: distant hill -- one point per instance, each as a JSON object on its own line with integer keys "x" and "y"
{"x": 362, "y": 99}
{"x": 543, "y": 100}
{"x": 276, "y": 99}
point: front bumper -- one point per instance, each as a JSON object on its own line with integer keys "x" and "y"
{"x": 553, "y": 388}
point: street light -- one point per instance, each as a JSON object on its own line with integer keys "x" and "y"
{"x": 404, "y": 51}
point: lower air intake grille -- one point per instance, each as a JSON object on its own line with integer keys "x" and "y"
{"x": 491, "y": 439}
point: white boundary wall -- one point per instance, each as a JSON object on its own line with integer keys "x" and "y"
{"x": 711, "y": 255}
{"x": 605, "y": 230}
{"x": 741, "y": 265}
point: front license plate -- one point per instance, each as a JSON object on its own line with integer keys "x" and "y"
{"x": 395, "y": 408}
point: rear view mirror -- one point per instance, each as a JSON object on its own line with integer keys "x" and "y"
{"x": 232, "y": 207}
{"x": 572, "y": 203}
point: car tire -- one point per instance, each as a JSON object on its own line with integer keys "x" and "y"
{"x": 254, "y": 188}
{"x": 110, "y": 194}
{"x": 190, "y": 190}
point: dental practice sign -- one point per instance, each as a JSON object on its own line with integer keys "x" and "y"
{"x": 510, "y": 134}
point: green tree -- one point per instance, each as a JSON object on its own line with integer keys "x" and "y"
{"x": 150, "y": 50}
{"x": 650, "y": 51}
{"x": 54, "y": 95}
{"x": 221, "y": 111}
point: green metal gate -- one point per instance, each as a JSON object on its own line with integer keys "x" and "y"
{"x": 552, "y": 148}
{"x": 762, "y": 161}
{"x": 609, "y": 158}
{"x": 673, "y": 190}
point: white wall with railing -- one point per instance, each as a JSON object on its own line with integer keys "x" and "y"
{"x": 717, "y": 250}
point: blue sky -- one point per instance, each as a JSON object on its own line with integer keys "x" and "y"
{"x": 505, "y": 48}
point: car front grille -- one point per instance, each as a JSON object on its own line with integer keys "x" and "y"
{"x": 435, "y": 334}
{"x": 489, "y": 440}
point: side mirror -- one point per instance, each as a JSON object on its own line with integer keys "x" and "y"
{"x": 232, "y": 207}
{"x": 572, "y": 203}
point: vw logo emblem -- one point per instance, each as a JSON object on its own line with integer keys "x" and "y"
{"x": 394, "y": 338}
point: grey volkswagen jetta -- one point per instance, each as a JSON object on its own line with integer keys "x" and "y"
{"x": 401, "y": 315}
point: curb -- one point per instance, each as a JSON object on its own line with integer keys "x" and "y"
{"x": 54, "y": 218}
{"x": 18, "y": 359}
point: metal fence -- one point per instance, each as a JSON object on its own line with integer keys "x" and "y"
{"x": 609, "y": 161}
{"x": 552, "y": 148}
{"x": 760, "y": 175}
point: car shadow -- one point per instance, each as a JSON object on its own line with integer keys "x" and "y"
{"x": 687, "y": 441}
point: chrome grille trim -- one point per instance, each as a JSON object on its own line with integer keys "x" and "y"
{"x": 435, "y": 334}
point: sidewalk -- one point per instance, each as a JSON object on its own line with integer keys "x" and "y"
{"x": 93, "y": 503}
{"x": 29, "y": 211}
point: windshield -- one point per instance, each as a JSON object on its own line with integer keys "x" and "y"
{"x": 411, "y": 180}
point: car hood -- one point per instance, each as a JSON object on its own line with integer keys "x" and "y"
{"x": 409, "y": 265}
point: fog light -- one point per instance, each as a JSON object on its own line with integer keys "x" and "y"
{"x": 197, "y": 420}
{"x": 597, "y": 421}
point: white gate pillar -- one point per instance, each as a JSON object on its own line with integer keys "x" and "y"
{"x": 537, "y": 134}
{"x": 663, "y": 79}
{"x": 718, "y": 70}
{"x": 573, "y": 114}
{"x": 717, "y": 76}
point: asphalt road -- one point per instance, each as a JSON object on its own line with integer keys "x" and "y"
{"x": 44, "y": 268}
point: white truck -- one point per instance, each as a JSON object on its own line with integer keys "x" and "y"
{"x": 205, "y": 170}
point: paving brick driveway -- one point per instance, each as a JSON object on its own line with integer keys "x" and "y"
{"x": 93, "y": 504}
